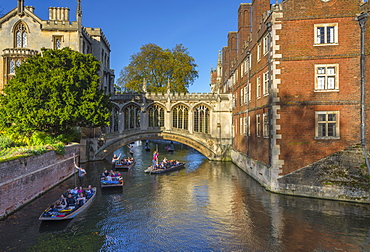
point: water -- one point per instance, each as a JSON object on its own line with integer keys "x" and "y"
{"x": 208, "y": 206}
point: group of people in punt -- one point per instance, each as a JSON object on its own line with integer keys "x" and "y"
{"x": 111, "y": 176}
{"x": 126, "y": 161}
{"x": 70, "y": 201}
{"x": 164, "y": 164}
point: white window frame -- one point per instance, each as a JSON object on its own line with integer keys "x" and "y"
{"x": 258, "y": 87}
{"x": 266, "y": 44}
{"x": 266, "y": 127}
{"x": 241, "y": 131}
{"x": 265, "y": 83}
{"x": 258, "y": 125}
{"x": 325, "y": 79}
{"x": 247, "y": 126}
{"x": 241, "y": 96}
{"x": 259, "y": 51}
{"x": 326, "y": 29}
{"x": 324, "y": 122}
{"x": 245, "y": 94}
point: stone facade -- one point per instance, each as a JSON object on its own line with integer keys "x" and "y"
{"x": 24, "y": 179}
{"x": 294, "y": 69}
{"x": 23, "y": 34}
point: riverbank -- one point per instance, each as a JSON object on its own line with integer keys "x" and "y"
{"x": 24, "y": 179}
{"x": 340, "y": 176}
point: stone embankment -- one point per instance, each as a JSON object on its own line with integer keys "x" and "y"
{"x": 24, "y": 179}
{"x": 340, "y": 176}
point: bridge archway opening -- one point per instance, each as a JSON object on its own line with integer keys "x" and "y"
{"x": 111, "y": 146}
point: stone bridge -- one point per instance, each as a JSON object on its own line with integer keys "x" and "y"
{"x": 202, "y": 121}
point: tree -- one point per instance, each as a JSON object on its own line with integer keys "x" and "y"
{"x": 155, "y": 67}
{"x": 54, "y": 92}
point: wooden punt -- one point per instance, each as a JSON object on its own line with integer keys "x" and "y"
{"x": 106, "y": 183}
{"x": 67, "y": 214}
{"x": 172, "y": 168}
{"x": 124, "y": 166}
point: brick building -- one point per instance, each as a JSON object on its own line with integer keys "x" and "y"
{"x": 294, "y": 69}
{"x": 23, "y": 34}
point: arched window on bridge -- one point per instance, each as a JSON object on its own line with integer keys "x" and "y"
{"x": 180, "y": 117}
{"x": 114, "y": 120}
{"x": 131, "y": 115}
{"x": 156, "y": 116}
{"x": 201, "y": 119}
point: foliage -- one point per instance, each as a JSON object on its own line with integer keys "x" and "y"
{"x": 155, "y": 67}
{"x": 54, "y": 92}
{"x": 5, "y": 142}
{"x": 59, "y": 148}
{"x": 37, "y": 150}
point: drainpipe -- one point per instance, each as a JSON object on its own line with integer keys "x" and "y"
{"x": 362, "y": 20}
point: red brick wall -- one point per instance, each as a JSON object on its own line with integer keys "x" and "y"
{"x": 298, "y": 100}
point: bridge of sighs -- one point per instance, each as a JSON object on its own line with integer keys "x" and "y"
{"x": 202, "y": 121}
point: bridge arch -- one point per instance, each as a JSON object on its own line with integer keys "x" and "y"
{"x": 207, "y": 147}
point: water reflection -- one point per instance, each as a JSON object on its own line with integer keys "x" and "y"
{"x": 209, "y": 206}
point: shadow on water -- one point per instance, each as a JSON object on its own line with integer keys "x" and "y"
{"x": 53, "y": 226}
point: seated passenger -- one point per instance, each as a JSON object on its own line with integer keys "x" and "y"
{"x": 67, "y": 192}
{"x": 61, "y": 203}
{"x": 89, "y": 191}
{"x": 80, "y": 190}
{"x": 81, "y": 199}
{"x": 74, "y": 191}
{"x": 105, "y": 173}
{"x": 70, "y": 200}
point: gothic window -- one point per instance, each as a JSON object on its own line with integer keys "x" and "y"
{"x": 18, "y": 63}
{"x": 180, "y": 117}
{"x": 201, "y": 119}
{"x": 12, "y": 67}
{"x": 131, "y": 115}
{"x": 20, "y": 36}
{"x": 156, "y": 116}
{"x": 114, "y": 119}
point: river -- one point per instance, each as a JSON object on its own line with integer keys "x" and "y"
{"x": 208, "y": 206}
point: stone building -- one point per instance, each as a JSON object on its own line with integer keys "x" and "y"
{"x": 297, "y": 72}
{"x": 23, "y": 34}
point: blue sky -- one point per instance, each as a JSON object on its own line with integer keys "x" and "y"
{"x": 200, "y": 25}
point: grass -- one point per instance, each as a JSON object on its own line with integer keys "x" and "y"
{"x": 12, "y": 153}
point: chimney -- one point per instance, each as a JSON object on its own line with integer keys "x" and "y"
{"x": 30, "y": 8}
{"x": 58, "y": 14}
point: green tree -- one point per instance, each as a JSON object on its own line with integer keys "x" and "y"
{"x": 155, "y": 67}
{"x": 54, "y": 92}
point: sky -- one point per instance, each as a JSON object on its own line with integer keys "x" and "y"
{"x": 201, "y": 26}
